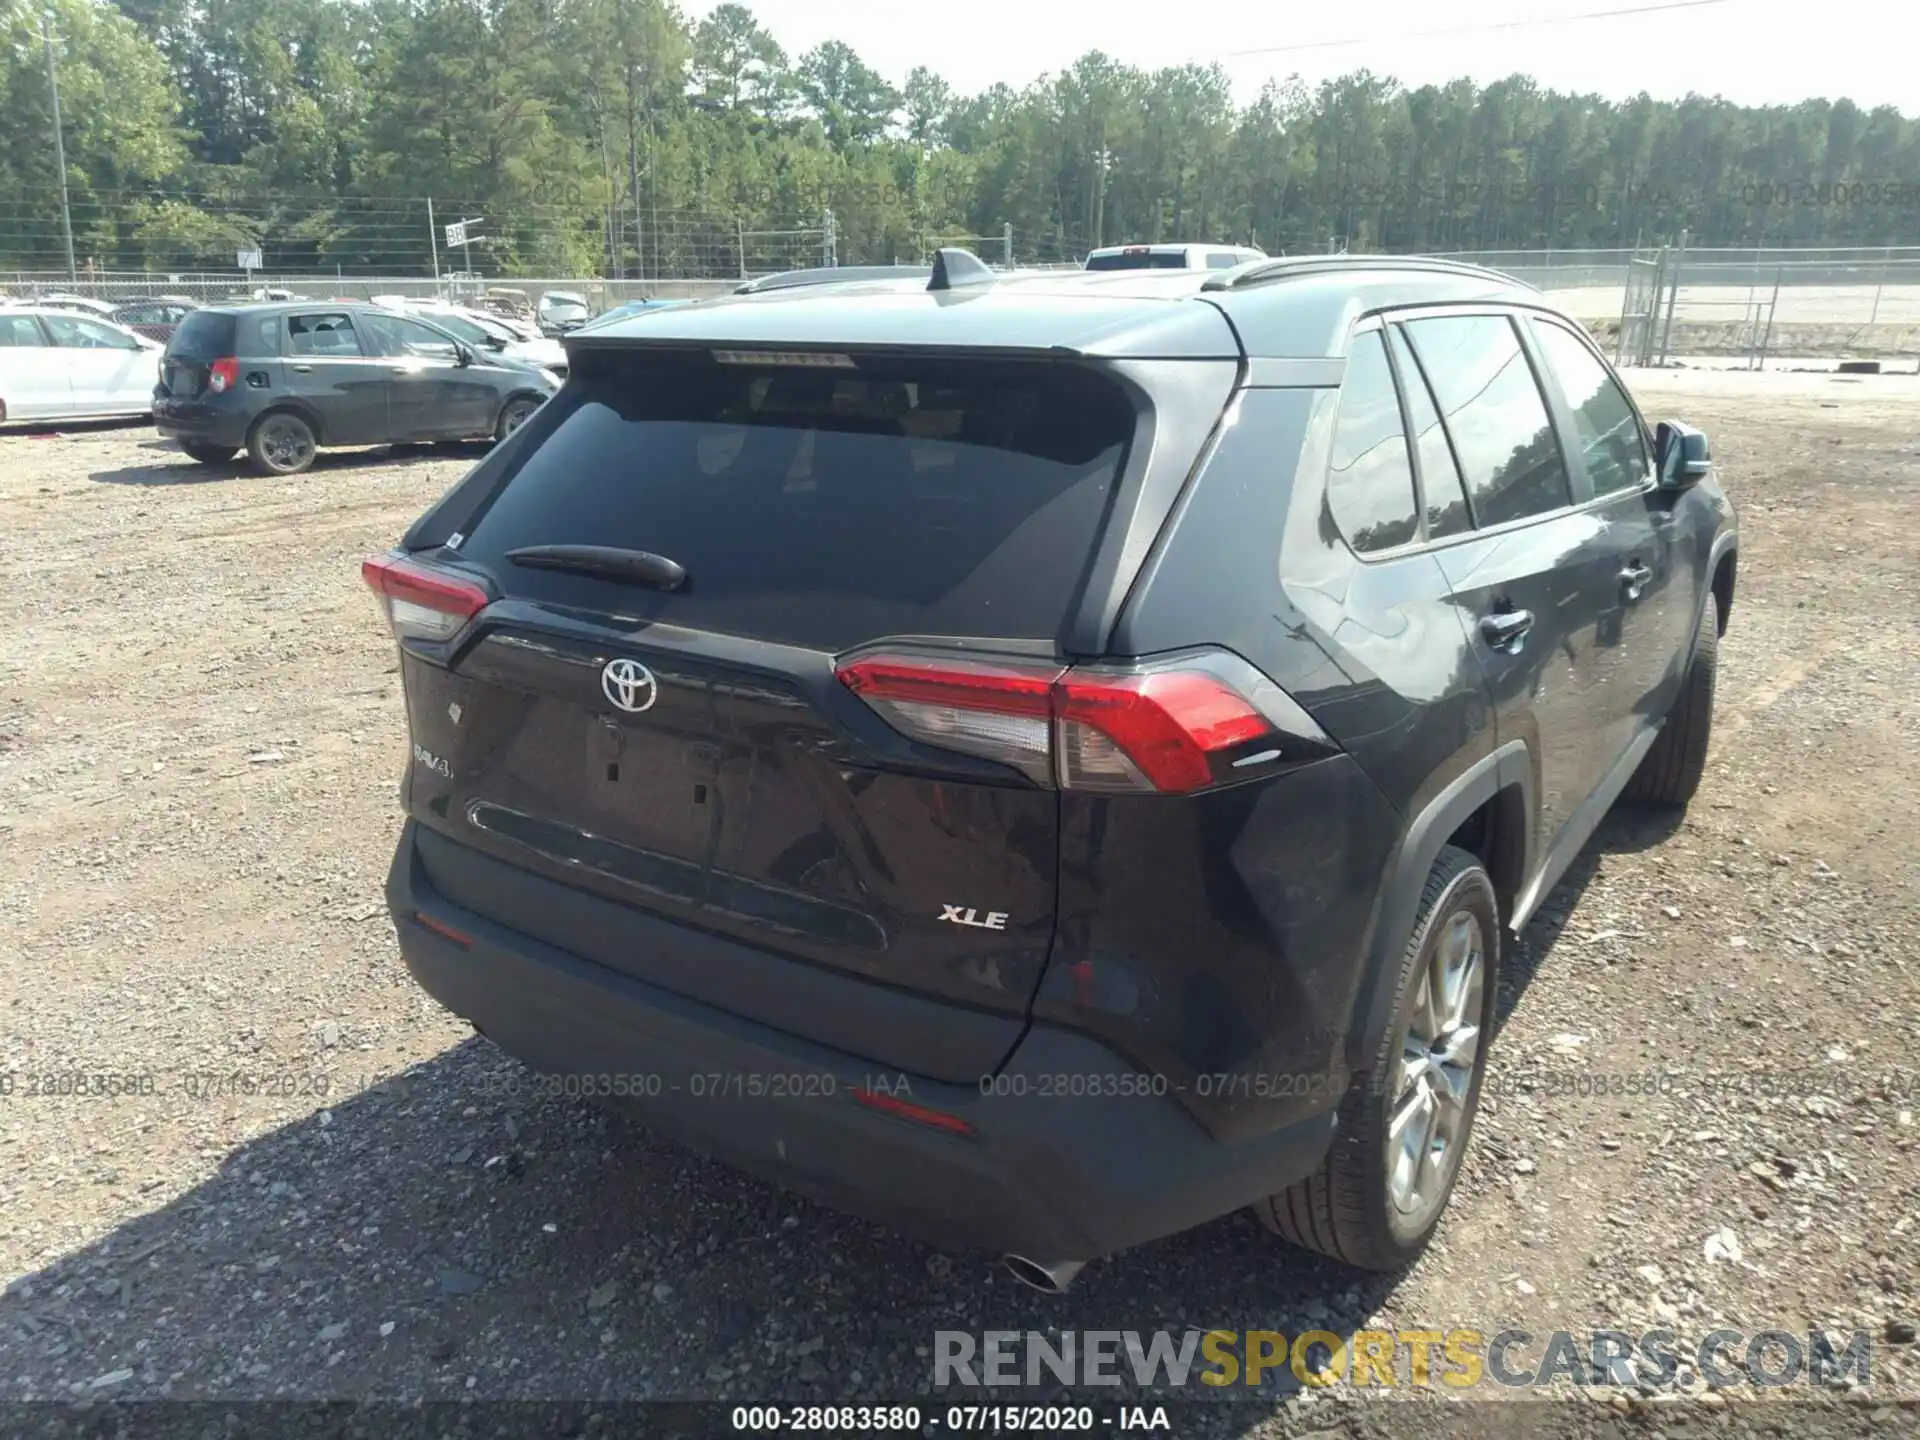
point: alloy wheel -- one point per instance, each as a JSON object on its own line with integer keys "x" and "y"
{"x": 286, "y": 443}
{"x": 1426, "y": 1129}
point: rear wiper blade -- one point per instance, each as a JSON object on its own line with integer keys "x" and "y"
{"x": 639, "y": 566}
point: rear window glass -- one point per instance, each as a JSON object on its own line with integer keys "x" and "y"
{"x": 1143, "y": 260}
{"x": 819, "y": 507}
{"x": 203, "y": 335}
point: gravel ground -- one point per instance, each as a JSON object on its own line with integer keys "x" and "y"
{"x": 200, "y": 740}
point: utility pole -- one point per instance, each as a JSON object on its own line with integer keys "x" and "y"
{"x": 59, "y": 149}
{"x": 1102, "y": 162}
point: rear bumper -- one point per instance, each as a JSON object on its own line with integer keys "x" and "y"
{"x": 1063, "y": 1162}
{"x": 199, "y": 421}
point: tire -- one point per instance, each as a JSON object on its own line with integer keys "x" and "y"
{"x": 1670, "y": 772}
{"x": 1351, "y": 1209}
{"x": 513, "y": 415}
{"x": 281, "y": 443}
{"x": 209, "y": 454}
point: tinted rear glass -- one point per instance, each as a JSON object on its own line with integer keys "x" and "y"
{"x": 203, "y": 335}
{"x": 1147, "y": 260}
{"x": 819, "y": 507}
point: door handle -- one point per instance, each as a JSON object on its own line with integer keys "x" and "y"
{"x": 303, "y": 369}
{"x": 1634, "y": 579}
{"x": 1506, "y": 630}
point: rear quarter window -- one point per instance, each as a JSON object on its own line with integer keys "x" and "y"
{"x": 1370, "y": 479}
{"x": 817, "y": 507}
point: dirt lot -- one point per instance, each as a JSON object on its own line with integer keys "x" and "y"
{"x": 200, "y": 740}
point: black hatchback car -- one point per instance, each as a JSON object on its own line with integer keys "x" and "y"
{"x": 1046, "y": 761}
{"x": 281, "y": 380}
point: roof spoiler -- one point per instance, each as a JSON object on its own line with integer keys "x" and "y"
{"x": 954, "y": 267}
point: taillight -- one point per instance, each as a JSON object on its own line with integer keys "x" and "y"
{"x": 999, "y": 712}
{"x": 1163, "y": 727}
{"x": 223, "y": 375}
{"x": 1172, "y": 728}
{"x": 420, "y": 602}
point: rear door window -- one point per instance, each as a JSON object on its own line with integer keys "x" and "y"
{"x": 819, "y": 507}
{"x": 1495, "y": 414}
{"x": 20, "y": 332}
{"x": 1370, "y": 485}
{"x": 323, "y": 334}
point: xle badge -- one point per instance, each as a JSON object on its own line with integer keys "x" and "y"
{"x": 996, "y": 919}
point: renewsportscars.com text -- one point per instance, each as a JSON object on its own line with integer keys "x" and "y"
{"x": 1457, "y": 1358}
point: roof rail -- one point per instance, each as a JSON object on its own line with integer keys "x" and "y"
{"x": 832, "y": 275}
{"x": 1259, "y": 272}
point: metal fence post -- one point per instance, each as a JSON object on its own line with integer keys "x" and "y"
{"x": 1006, "y": 240}
{"x": 740, "y": 240}
{"x": 827, "y": 245}
{"x": 1673, "y": 296}
{"x": 1626, "y": 304}
{"x": 1773, "y": 305}
{"x": 1885, "y": 260}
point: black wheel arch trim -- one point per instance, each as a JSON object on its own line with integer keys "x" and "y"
{"x": 1726, "y": 543}
{"x": 1507, "y": 767}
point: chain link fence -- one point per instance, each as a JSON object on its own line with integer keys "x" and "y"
{"x": 1659, "y": 306}
{"x": 1647, "y": 307}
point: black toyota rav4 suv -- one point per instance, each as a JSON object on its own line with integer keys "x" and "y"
{"x": 1044, "y": 761}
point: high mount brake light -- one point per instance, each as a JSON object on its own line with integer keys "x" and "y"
{"x": 1086, "y": 729}
{"x": 420, "y": 602}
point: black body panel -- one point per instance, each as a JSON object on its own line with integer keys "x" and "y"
{"x": 761, "y": 870}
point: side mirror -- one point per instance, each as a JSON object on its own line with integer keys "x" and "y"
{"x": 1681, "y": 455}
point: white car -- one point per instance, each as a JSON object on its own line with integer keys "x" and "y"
{"x": 61, "y": 365}
{"x": 84, "y": 304}
{"x": 562, "y": 310}
{"x": 484, "y": 332}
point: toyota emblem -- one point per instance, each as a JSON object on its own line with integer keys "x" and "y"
{"x": 629, "y": 685}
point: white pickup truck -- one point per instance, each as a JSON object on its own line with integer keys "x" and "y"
{"x": 1172, "y": 257}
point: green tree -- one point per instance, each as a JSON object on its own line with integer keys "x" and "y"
{"x": 852, "y": 103}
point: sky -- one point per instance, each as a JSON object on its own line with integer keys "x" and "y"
{"x": 1753, "y": 52}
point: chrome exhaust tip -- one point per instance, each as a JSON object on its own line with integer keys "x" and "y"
{"x": 1052, "y": 1279}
